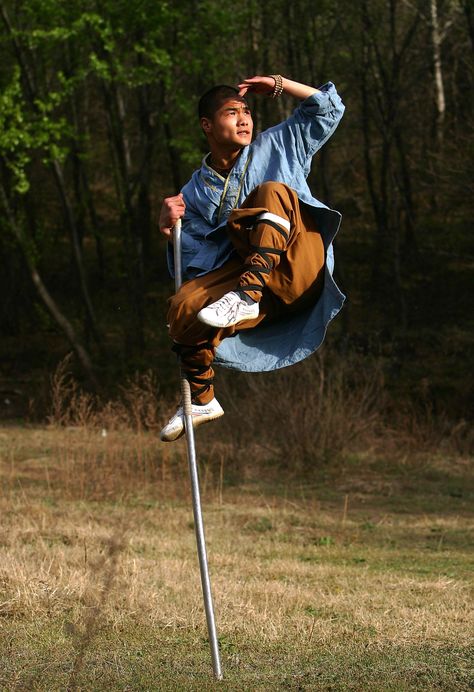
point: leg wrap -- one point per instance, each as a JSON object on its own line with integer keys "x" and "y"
{"x": 197, "y": 370}
{"x": 259, "y": 271}
{"x": 264, "y": 258}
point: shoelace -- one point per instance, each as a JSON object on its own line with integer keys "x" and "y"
{"x": 225, "y": 303}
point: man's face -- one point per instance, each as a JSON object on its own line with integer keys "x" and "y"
{"x": 231, "y": 126}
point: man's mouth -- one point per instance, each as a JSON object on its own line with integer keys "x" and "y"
{"x": 243, "y": 132}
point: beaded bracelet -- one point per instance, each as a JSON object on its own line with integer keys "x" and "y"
{"x": 278, "y": 88}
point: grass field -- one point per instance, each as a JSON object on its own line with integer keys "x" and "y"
{"x": 360, "y": 578}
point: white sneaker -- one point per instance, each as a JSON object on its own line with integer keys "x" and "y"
{"x": 227, "y": 311}
{"x": 201, "y": 414}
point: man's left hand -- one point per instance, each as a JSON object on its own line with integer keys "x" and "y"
{"x": 257, "y": 85}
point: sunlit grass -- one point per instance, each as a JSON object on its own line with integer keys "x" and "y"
{"x": 319, "y": 585}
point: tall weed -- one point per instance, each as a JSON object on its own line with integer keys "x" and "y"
{"x": 326, "y": 408}
{"x": 137, "y": 407}
{"x": 313, "y": 412}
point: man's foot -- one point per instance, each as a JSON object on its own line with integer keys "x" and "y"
{"x": 229, "y": 310}
{"x": 201, "y": 414}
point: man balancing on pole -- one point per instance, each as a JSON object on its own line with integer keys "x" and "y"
{"x": 256, "y": 245}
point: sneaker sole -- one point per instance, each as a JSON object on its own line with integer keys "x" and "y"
{"x": 196, "y": 423}
{"x": 228, "y": 324}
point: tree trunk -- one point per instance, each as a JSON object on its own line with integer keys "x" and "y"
{"x": 440, "y": 101}
{"x": 77, "y": 250}
{"x": 406, "y": 189}
{"x": 174, "y": 158}
{"x": 84, "y": 197}
{"x": 468, "y": 11}
{"x": 133, "y": 244}
{"x": 147, "y": 146}
{"x": 52, "y": 307}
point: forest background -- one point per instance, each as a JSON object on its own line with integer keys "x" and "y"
{"x": 98, "y": 123}
{"x": 338, "y": 508}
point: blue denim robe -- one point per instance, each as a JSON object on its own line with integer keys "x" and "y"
{"x": 283, "y": 154}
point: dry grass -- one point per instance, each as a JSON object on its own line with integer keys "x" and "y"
{"x": 137, "y": 407}
{"x": 362, "y": 580}
{"x": 322, "y": 410}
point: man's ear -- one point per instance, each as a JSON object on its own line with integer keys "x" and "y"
{"x": 206, "y": 125}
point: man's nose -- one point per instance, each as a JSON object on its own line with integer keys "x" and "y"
{"x": 243, "y": 118}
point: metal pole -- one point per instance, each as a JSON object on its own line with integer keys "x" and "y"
{"x": 193, "y": 472}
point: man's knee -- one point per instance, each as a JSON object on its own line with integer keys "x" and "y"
{"x": 271, "y": 192}
{"x": 272, "y": 186}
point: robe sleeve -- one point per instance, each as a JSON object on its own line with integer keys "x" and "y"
{"x": 300, "y": 136}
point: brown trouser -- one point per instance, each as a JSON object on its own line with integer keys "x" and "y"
{"x": 292, "y": 277}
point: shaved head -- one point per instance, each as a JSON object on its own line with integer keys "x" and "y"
{"x": 212, "y": 100}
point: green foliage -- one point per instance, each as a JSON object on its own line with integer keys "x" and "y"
{"x": 15, "y": 140}
{"x": 29, "y": 128}
{"x": 108, "y": 90}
